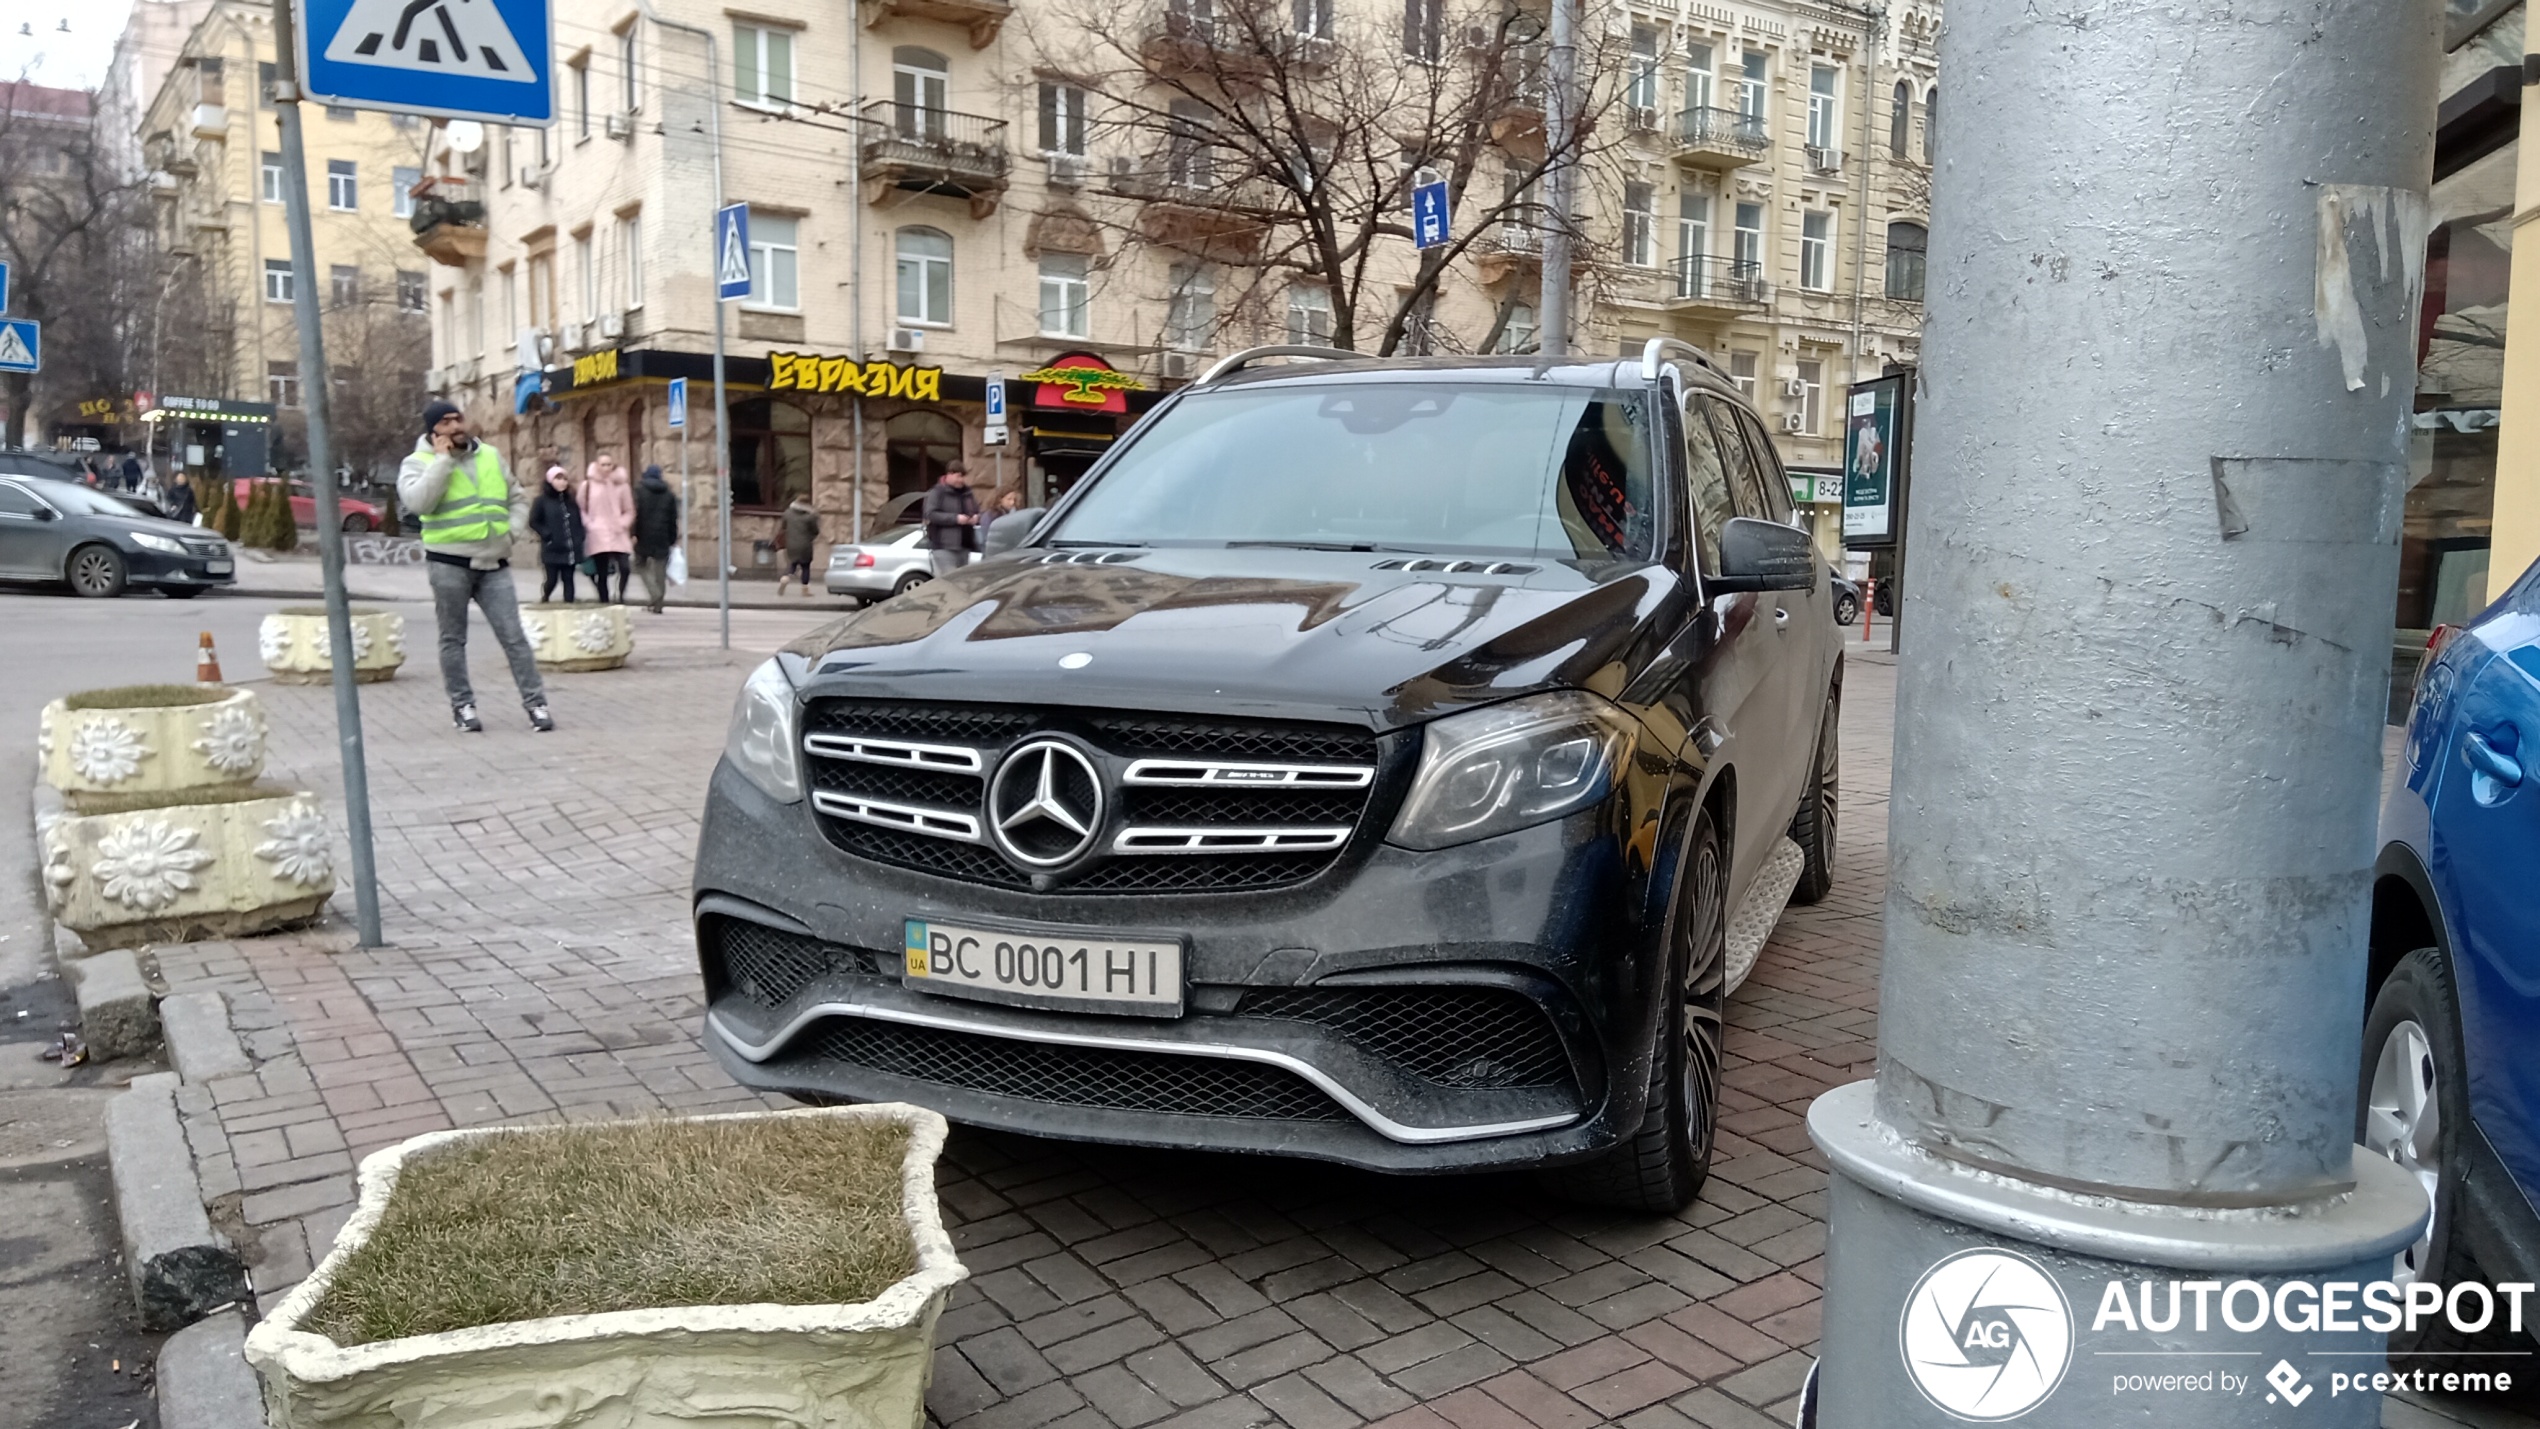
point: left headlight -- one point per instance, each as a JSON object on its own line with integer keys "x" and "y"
{"x": 1495, "y": 770}
{"x": 158, "y": 543}
{"x": 761, "y": 742}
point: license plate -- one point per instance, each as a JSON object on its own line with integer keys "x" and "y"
{"x": 1070, "y": 971}
{"x": 219, "y": 568}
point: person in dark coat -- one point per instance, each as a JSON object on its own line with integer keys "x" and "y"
{"x": 557, "y": 518}
{"x": 178, "y": 500}
{"x": 656, "y": 531}
{"x": 952, "y": 518}
{"x": 801, "y": 537}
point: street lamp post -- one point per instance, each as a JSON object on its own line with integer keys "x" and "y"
{"x": 2160, "y": 464}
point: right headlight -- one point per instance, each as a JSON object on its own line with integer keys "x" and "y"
{"x": 1526, "y": 762}
{"x": 761, "y": 742}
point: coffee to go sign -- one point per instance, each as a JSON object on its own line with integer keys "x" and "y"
{"x": 809, "y": 372}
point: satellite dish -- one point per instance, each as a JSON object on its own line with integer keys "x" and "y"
{"x": 466, "y": 135}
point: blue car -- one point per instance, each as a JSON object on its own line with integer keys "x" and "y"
{"x": 2450, "y": 1083}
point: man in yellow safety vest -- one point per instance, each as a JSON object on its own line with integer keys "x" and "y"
{"x": 458, "y": 492}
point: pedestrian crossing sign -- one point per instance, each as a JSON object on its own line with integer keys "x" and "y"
{"x": 678, "y": 402}
{"x": 732, "y": 251}
{"x": 457, "y": 59}
{"x": 21, "y": 345}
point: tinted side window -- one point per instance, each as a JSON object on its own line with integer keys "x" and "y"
{"x": 14, "y": 502}
{"x": 1768, "y": 465}
{"x": 1707, "y": 474}
{"x": 1746, "y": 485}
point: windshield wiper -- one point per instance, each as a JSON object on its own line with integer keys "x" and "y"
{"x": 1320, "y": 546}
{"x": 1097, "y": 545}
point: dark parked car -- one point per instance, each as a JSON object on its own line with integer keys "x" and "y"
{"x": 1362, "y": 762}
{"x": 100, "y": 544}
{"x": 1847, "y": 599}
{"x": 2450, "y": 1087}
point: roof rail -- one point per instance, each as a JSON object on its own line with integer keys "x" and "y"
{"x": 1226, "y": 366}
{"x": 1660, "y": 346}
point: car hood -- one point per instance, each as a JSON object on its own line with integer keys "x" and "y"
{"x": 1282, "y": 633}
{"x": 157, "y": 526}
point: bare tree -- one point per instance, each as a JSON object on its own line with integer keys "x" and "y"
{"x": 75, "y": 239}
{"x": 1277, "y": 142}
{"x": 375, "y": 352}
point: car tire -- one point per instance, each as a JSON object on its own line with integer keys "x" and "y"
{"x": 910, "y": 582}
{"x": 1847, "y": 609}
{"x": 2412, "y": 1105}
{"x": 357, "y": 525}
{"x": 96, "y": 571}
{"x": 1813, "y": 827}
{"x": 182, "y": 592}
{"x": 1660, "y": 1166}
{"x": 1884, "y": 600}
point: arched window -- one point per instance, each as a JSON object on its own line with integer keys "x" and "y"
{"x": 771, "y": 454}
{"x": 915, "y": 447}
{"x": 921, "y": 89}
{"x": 1900, "y": 121}
{"x": 1905, "y": 245}
{"x": 925, "y": 269}
{"x": 1931, "y": 124}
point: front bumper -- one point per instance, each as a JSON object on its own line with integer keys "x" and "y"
{"x": 1305, "y": 1031}
{"x": 861, "y": 580}
{"x": 159, "y": 568}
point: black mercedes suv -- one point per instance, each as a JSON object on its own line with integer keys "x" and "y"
{"x": 1394, "y": 762}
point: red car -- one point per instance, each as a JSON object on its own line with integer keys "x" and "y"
{"x": 359, "y": 515}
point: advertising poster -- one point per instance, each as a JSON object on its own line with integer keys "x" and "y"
{"x": 1870, "y": 459}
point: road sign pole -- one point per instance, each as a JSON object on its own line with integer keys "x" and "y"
{"x": 731, "y": 231}
{"x": 315, "y": 394}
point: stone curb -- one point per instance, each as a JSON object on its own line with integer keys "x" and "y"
{"x": 200, "y": 1042}
{"x": 118, "y": 1017}
{"x": 204, "y": 1380}
{"x": 181, "y": 1268}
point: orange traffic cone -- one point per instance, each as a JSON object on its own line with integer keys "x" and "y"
{"x": 207, "y": 662}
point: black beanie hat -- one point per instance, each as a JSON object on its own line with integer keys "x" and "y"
{"x": 435, "y": 410}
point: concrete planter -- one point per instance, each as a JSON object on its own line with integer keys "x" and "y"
{"x": 293, "y": 643}
{"x": 182, "y": 872}
{"x": 580, "y": 637}
{"x": 734, "y": 1366}
{"x": 156, "y": 748}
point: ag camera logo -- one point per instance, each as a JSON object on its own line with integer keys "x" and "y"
{"x": 1986, "y": 1335}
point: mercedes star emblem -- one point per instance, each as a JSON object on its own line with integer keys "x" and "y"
{"x": 1046, "y": 805}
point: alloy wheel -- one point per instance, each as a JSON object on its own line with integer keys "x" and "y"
{"x": 2403, "y": 1120}
{"x": 1829, "y": 772}
{"x": 1706, "y": 893}
{"x": 95, "y": 572}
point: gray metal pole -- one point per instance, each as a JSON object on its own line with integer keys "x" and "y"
{"x": 2159, "y": 470}
{"x": 1561, "y": 105}
{"x": 315, "y": 398}
{"x": 722, "y": 475}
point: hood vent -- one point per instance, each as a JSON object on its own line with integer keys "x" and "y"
{"x": 1457, "y": 568}
{"x": 1090, "y": 558}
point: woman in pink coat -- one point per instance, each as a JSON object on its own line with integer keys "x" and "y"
{"x": 608, "y": 524}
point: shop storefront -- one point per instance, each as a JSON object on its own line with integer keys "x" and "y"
{"x": 1078, "y": 404}
{"x": 211, "y": 437}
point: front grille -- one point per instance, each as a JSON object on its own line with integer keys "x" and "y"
{"x": 771, "y": 967}
{"x": 920, "y": 803}
{"x": 1075, "y": 1076}
{"x": 1467, "y": 1037}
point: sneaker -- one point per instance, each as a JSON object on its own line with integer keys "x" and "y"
{"x": 540, "y": 720}
{"x": 464, "y": 716}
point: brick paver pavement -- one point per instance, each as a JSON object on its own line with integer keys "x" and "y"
{"x": 541, "y": 968}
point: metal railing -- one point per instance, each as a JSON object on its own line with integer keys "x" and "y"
{"x": 920, "y": 136}
{"x": 444, "y": 199}
{"x": 1192, "y": 175}
{"x": 1710, "y": 128}
{"x": 1720, "y": 280}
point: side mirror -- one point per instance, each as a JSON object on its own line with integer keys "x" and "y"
{"x": 1012, "y": 529}
{"x": 1763, "y": 555}
{"x": 46, "y": 513}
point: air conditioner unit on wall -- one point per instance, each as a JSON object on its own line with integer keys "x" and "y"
{"x": 1794, "y": 387}
{"x": 572, "y": 337}
{"x": 1825, "y": 161}
{"x": 612, "y": 326}
{"x": 1643, "y": 121}
{"x": 908, "y": 339}
{"x": 620, "y": 126}
{"x": 1066, "y": 170}
{"x": 1178, "y": 365}
{"x": 532, "y": 176}
{"x": 1793, "y": 423}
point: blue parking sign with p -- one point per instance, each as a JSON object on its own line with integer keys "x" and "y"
{"x": 457, "y": 59}
{"x": 678, "y": 402}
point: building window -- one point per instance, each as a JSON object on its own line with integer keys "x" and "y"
{"x": 762, "y": 65}
{"x": 278, "y": 288}
{"x": 774, "y": 282}
{"x": 1823, "y": 121}
{"x": 1816, "y": 249}
{"x": 341, "y": 192}
{"x": 1693, "y": 244}
{"x": 1424, "y": 30}
{"x": 630, "y": 250}
{"x": 282, "y": 383}
{"x": 1312, "y": 18}
{"x": 271, "y": 170}
{"x": 511, "y": 304}
{"x": 916, "y": 446}
{"x": 1066, "y": 295}
{"x": 410, "y": 290}
{"x": 542, "y": 289}
{"x": 1062, "y": 119}
{"x": 1190, "y": 160}
{"x": 1931, "y": 124}
{"x": 1310, "y": 315}
{"x": 1751, "y": 79}
{"x": 1900, "y": 120}
{"x": 1748, "y": 254}
{"x": 925, "y": 275}
{"x": 1905, "y": 245}
{"x": 1812, "y": 396}
{"x": 1519, "y": 333}
{"x": 581, "y": 98}
{"x": 343, "y": 285}
{"x": 586, "y": 261}
{"x": 921, "y": 91}
{"x": 1697, "y": 76}
{"x": 630, "y": 93}
{"x": 1190, "y": 313}
{"x": 1640, "y": 90}
{"x": 771, "y": 454}
{"x": 1640, "y": 224}
{"x": 1742, "y": 373}
{"x": 401, "y": 183}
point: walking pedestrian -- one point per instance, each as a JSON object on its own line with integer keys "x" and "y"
{"x": 133, "y": 471}
{"x": 802, "y": 533}
{"x": 656, "y": 531}
{"x": 465, "y": 502}
{"x": 608, "y": 523}
{"x": 952, "y": 519}
{"x": 179, "y": 500}
{"x": 557, "y": 519}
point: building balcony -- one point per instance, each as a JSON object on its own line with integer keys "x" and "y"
{"x": 983, "y": 18}
{"x": 1192, "y": 38}
{"x": 1508, "y": 251}
{"x": 211, "y": 121}
{"x": 909, "y": 149}
{"x": 1191, "y": 203}
{"x": 1719, "y": 138}
{"x": 449, "y": 220}
{"x": 1725, "y": 285}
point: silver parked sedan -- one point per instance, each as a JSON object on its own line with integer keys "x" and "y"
{"x": 893, "y": 561}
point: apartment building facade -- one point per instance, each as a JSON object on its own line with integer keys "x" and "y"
{"x": 942, "y": 192}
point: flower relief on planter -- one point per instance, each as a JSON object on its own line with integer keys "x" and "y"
{"x": 595, "y": 633}
{"x": 233, "y": 739}
{"x": 107, "y": 750}
{"x": 535, "y": 627}
{"x": 298, "y": 847}
{"x": 146, "y": 863}
{"x": 273, "y": 640}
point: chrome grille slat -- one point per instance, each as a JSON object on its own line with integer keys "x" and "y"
{"x": 897, "y": 753}
{"x": 1134, "y": 840}
{"x": 908, "y": 818}
{"x": 1225, "y": 774}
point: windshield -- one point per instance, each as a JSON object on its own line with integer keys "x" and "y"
{"x": 1557, "y": 472}
{"x": 84, "y": 500}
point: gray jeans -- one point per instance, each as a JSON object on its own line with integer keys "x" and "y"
{"x": 945, "y": 562}
{"x": 655, "y": 571}
{"x": 452, "y": 588}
